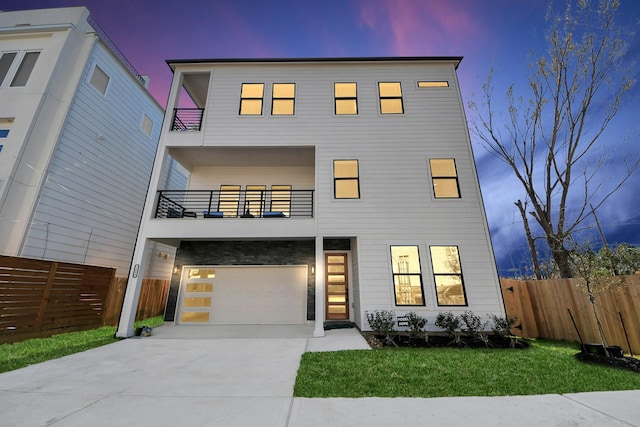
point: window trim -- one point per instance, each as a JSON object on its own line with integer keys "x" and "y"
{"x": 11, "y": 67}
{"x": 106, "y": 88}
{"x": 434, "y": 177}
{"x": 343, "y": 178}
{"x": 435, "y": 284}
{"x": 142, "y": 123}
{"x": 274, "y": 98}
{"x": 344, "y": 98}
{"x": 242, "y": 98}
{"x": 380, "y": 98}
{"x": 393, "y": 277}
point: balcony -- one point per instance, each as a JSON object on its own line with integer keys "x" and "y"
{"x": 235, "y": 203}
{"x": 187, "y": 119}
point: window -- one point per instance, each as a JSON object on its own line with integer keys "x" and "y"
{"x": 281, "y": 199}
{"x": 147, "y": 125}
{"x": 254, "y": 200}
{"x": 99, "y": 80}
{"x": 229, "y": 199}
{"x": 346, "y": 181}
{"x": 433, "y": 84}
{"x": 4, "y": 133}
{"x": 444, "y": 178}
{"x": 5, "y": 63}
{"x": 448, "y": 275}
{"x": 407, "y": 278}
{"x": 25, "y": 69}
{"x": 346, "y": 99}
{"x": 5, "y": 126}
{"x": 390, "y": 98}
{"x": 251, "y": 99}
{"x": 284, "y": 95}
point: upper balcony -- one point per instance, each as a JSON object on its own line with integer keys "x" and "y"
{"x": 190, "y": 102}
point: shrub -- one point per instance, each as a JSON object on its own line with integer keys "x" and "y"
{"x": 450, "y": 323}
{"x": 474, "y": 326}
{"x": 382, "y": 322}
{"x": 416, "y": 326}
{"x": 502, "y": 325}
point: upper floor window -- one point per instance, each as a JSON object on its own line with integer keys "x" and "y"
{"x": 407, "y": 276}
{"x": 99, "y": 80}
{"x": 5, "y": 63}
{"x": 251, "y": 97}
{"x": 441, "y": 83}
{"x": 390, "y": 98}
{"x": 24, "y": 70}
{"x": 346, "y": 181}
{"x": 284, "y": 95}
{"x": 346, "y": 98}
{"x": 444, "y": 178}
{"x": 147, "y": 125}
{"x": 447, "y": 274}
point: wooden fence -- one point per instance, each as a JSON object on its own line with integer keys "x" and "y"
{"x": 43, "y": 298}
{"x": 542, "y": 308}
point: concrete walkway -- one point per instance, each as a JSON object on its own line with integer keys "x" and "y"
{"x": 219, "y": 376}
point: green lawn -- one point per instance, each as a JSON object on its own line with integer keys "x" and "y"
{"x": 545, "y": 367}
{"x": 25, "y": 353}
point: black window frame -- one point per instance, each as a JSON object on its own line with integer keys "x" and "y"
{"x": 344, "y": 98}
{"x": 381, "y": 97}
{"x": 435, "y": 282}
{"x": 447, "y": 178}
{"x": 351, "y": 178}
{"x": 394, "y": 275}
{"x": 274, "y": 98}
{"x": 242, "y": 98}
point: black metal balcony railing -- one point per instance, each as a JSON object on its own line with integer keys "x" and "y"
{"x": 234, "y": 204}
{"x": 187, "y": 119}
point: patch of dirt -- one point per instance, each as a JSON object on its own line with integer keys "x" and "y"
{"x": 629, "y": 363}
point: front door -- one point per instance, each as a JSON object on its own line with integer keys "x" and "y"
{"x": 336, "y": 280}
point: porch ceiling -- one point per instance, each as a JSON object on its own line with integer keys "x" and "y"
{"x": 244, "y": 156}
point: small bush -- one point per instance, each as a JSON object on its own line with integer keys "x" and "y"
{"x": 450, "y": 323}
{"x": 383, "y": 322}
{"x": 416, "y": 325}
{"x": 502, "y": 325}
{"x": 474, "y": 327}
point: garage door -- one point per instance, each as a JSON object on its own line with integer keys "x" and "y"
{"x": 247, "y": 295}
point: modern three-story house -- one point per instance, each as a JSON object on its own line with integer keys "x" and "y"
{"x": 318, "y": 190}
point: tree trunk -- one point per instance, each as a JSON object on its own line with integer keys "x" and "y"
{"x": 530, "y": 241}
{"x": 560, "y": 255}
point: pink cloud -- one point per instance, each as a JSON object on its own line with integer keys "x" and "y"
{"x": 421, "y": 27}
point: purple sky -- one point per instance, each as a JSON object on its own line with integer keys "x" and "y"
{"x": 487, "y": 33}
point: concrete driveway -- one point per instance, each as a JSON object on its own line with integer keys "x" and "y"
{"x": 199, "y": 377}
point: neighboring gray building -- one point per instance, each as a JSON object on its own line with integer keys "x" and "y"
{"x": 319, "y": 189}
{"x": 78, "y": 135}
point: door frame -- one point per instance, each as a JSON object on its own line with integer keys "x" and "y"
{"x": 350, "y": 306}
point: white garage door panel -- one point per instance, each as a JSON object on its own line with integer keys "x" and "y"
{"x": 259, "y": 295}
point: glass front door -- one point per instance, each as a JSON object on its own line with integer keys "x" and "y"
{"x": 337, "y": 283}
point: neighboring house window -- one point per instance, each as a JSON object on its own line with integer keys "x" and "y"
{"x": 390, "y": 98}
{"x": 407, "y": 277}
{"x": 25, "y": 69}
{"x": 99, "y": 80}
{"x": 147, "y": 125}
{"x": 281, "y": 199}
{"x": 5, "y": 63}
{"x": 346, "y": 180}
{"x": 346, "y": 98}
{"x": 447, "y": 274}
{"x": 251, "y": 97}
{"x": 444, "y": 178}
{"x": 433, "y": 84}
{"x": 284, "y": 95}
{"x": 4, "y": 133}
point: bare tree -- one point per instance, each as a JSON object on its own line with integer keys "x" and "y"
{"x": 551, "y": 140}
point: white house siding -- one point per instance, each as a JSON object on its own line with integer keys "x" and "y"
{"x": 89, "y": 208}
{"x": 210, "y": 178}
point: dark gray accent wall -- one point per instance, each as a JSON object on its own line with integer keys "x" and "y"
{"x": 242, "y": 252}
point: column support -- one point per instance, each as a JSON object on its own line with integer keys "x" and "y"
{"x": 132, "y": 292}
{"x": 318, "y": 330}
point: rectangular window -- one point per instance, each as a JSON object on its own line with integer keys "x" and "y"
{"x": 433, "y": 84}
{"x": 346, "y": 180}
{"x": 346, "y": 98}
{"x": 254, "y": 200}
{"x": 407, "y": 277}
{"x": 447, "y": 274}
{"x": 281, "y": 199}
{"x": 147, "y": 125}
{"x": 229, "y": 200}
{"x": 25, "y": 69}
{"x": 445, "y": 178}
{"x": 390, "y": 98}
{"x": 99, "y": 80}
{"x": 4, "y": 133}
{"x": 5, "y": 63}
{"x": 284, "y": 95}
{"x": 251, "y": 97}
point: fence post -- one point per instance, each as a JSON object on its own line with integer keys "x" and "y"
{"x": 45, "y": 297}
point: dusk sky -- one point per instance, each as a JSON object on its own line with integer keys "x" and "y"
{"x": 496, "y": 34}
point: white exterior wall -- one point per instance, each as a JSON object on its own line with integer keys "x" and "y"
{"x": 396, "y": 204}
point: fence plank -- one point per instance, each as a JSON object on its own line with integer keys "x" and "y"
{"x": 542, "y": 310}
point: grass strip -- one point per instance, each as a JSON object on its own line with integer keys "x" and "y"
{"x": 36, "y": 350}
{"x": 545, "y": 367}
